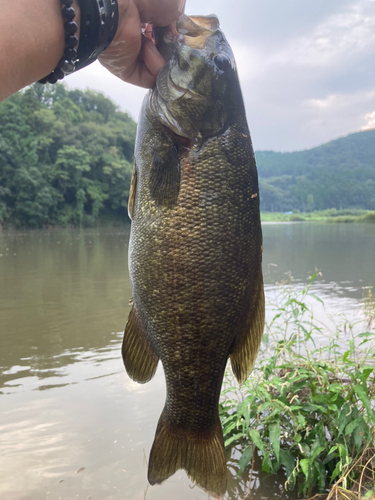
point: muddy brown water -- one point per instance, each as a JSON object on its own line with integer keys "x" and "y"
{"x": 72, "y": 423}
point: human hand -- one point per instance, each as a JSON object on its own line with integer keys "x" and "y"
{"x": 132, "y": 56}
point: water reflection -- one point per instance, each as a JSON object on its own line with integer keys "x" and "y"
{"x": 343, "y": 253}
{"x": 251, "y": 482}
{"x": 67, "y": 404}
{"x": 61, "y": 292}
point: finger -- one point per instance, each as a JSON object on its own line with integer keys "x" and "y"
{"x": 161, "y": 12}
{"x": 152, "y": 58}
{"x": 145, "y": 70}
{"x": 140, "y": 75}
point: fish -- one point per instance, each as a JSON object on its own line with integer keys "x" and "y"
{"x": 195, "y": 249}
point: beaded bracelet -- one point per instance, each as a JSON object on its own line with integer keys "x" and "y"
{"x": 99, "y": 19}
{"x": 66, "y": 64}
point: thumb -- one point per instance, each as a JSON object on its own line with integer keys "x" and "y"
{"x": 152, "y": 58}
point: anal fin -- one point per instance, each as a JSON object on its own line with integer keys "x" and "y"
{"x": 247, "y": 344}
{"x": 200, "y": 454}
{"x": 139, "y": 358}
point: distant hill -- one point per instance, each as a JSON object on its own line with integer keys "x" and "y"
{"x": 340, "y": 174}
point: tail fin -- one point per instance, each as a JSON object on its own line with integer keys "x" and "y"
{"x": 200, "y": 454}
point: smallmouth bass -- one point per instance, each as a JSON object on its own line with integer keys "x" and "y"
{"x": 195, "y": 248}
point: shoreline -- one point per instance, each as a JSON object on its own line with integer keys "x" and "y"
{"x": 330, "y": 215}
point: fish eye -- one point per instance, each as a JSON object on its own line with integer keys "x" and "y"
{"x": 222, "y": 62}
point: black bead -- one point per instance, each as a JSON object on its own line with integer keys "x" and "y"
{"x": 69, "y": 13}
{"x": 43, "y": 80}
{"x": 94, "y": 22}
{"x": 71, "y": 41}
{"x": 59, "y": 73}
{"x": 51, "y": 78}
{"x": 66, "y": 66}
{"x": 70, "y": 54}
{"x": 70, "y": 27}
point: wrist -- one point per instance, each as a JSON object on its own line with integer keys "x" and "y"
{"x": 31, "y": 41}
{"x": 98, "y": 20}
{"x": 54, "y": 46}
{"x": 70, "y": 14}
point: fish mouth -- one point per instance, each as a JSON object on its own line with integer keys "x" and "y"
{"x": 192, "y": 32}
{"x": 182, "y": 44}
{"x": 196, "y": 30}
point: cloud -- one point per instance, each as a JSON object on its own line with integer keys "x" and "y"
{"x": 341, "y": 36}
{"x": 370, "y": 121}
{"x": 306, "y": 68}
{"x": 340, "y": 101}
{"x": 249, "y": 61}
{"x": 344, "y": 110}
{"x": 313, "y": 87}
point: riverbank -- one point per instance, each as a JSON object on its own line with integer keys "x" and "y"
{"x": 330, "y": 215}
{"x": 307, "y": 410}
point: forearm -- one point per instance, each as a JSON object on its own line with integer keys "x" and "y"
{"x": 31, "y": 41}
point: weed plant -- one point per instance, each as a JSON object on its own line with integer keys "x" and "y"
{"x": 306, "y": 409}
{"x": 370, "y": 309}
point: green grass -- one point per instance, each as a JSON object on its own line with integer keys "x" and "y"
{"x": 330, "y": 215}
{"x": 307, "y": 409}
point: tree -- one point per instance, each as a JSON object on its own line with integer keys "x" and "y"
{"x": 310, "y": 203}
{"x": 65, "y": 157}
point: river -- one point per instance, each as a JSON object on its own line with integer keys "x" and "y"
{"x": 72, "y": 423}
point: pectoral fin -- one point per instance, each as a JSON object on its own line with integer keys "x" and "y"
{"x": 165, "y": 175}
{"x": 247, "y": 342}
{"x": 133, "y": 186}
{"x": 139, "y": 358}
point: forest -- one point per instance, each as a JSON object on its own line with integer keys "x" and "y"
{"x": 66, "y": 159}
{"x": 340, "y": 174}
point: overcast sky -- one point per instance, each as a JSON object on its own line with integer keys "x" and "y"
{"x": 307, "y": 68}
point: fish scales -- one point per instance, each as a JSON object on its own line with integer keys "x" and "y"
{"x": 195, "y": 267}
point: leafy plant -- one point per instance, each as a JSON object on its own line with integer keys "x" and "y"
{"x": 306, "y": 409}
